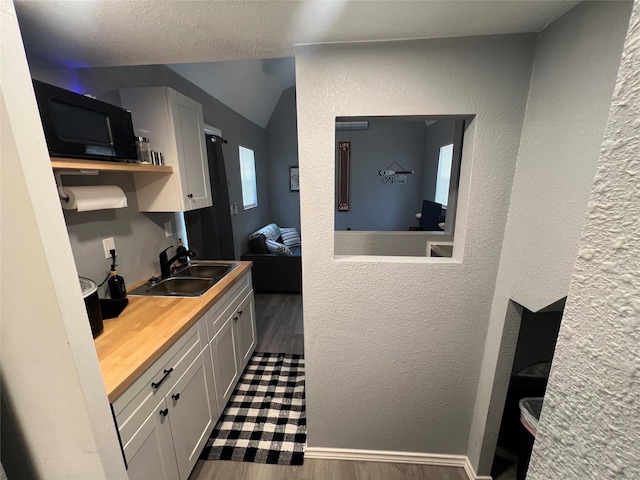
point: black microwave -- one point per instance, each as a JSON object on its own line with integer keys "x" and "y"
{"x": 77, "y": 126}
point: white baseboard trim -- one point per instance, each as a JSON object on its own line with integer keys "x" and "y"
{"x": 471, "y": 472}
{"x": 443, "y": 460}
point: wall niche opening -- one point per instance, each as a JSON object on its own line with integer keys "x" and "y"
{"x": 526, "y": 353}
{"x": 396, "y": 184}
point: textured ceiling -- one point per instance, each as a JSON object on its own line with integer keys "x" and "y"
{"x": 124, "y": 32}
{"x": 92, "y": 33}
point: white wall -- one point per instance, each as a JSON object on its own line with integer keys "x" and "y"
{"x": 393, "y": 348}
{"x": 590, "y": 426}
{"x": 56, "y": 421}
{"x": 575, "y": 67}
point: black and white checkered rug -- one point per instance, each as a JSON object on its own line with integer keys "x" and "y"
{"x": 264, "y": 420}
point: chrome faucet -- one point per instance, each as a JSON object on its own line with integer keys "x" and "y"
{"x": 165, "y": 263}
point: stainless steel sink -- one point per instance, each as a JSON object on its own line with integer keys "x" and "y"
{"x": 190, "y": 281}
{"x": 177, "y": 287}
{"x": 205, "y": 270}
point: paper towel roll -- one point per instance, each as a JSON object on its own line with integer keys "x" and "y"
{"x": 98, "y": 197}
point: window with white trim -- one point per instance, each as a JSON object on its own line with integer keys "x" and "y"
{"x": 443, "y": 179}
{"x": 248, "y": 178}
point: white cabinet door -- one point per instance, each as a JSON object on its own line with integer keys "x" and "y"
{"x": 150, "y": 451}
{"x": 174, "y": 125}
{"x": 225, "y": 362}
{"x": 191, "y": 415}
{"x": 190, "y": 140}
{"x": 245, "y": 322}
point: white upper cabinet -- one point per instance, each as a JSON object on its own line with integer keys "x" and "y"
{"x": 174, "y": 125}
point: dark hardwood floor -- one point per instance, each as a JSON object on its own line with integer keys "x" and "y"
{"x": 314, "y": 469}
{"x": 279, "y": 323}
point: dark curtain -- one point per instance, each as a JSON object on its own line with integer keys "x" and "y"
{"x": 209, "y": 229}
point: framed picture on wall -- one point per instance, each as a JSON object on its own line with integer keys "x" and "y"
{"x": 294, "y": 179}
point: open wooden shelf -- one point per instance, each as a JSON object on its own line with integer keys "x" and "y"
{"x": 104, "y": 166}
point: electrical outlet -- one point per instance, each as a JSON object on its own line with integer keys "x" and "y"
{"x": 108, "y": 244}
{"x": 168, "y": 229}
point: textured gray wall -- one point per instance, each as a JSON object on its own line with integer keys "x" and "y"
{"x": 376, "y": 206}
{"x": 282, "y": 152}
{"x": 394, "y": 344}
{"x": 590, "y": 427}
{"x": 574, "y": 74}
{"x": 398, "y": 244}
{"x": 140, "y": 236}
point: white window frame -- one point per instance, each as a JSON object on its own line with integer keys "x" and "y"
{"x": 248, "y": 178}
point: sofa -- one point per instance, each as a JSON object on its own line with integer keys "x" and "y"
{"x": 276, "y": 254}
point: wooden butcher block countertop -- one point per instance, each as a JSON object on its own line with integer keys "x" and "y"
{"x": 147, "y": 327}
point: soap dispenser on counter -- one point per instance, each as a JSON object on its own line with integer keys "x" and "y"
{"x": 113, "y": 307}
{"x": 117, "y": 288}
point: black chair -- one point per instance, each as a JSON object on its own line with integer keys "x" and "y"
{"x": 431, "y": 212}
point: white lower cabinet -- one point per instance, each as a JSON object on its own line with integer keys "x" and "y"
{"x": 167, "y": 444}
{"x": 150, "y": 452}
{"x": 226, "y": 369}
{"x": 233, "y": 345}
{"x": 166, "y": 416}
{"x": 246, "y": 330}
{"x": 191, "y": 415}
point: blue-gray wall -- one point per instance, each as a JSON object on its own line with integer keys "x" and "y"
{"x": 282, "y": 152}
{"x": 374, "y": 205}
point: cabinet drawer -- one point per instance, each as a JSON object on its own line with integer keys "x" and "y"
{"x": 229, "y": 301}
{"x": 137, "y": 402}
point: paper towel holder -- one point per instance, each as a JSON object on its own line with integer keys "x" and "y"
{"x": 58, "y": 177}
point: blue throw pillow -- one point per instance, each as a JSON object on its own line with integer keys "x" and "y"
{"x": 279, "y": 248}
{"x": 291, "y": 237}
{"x": 271, "y": 232}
